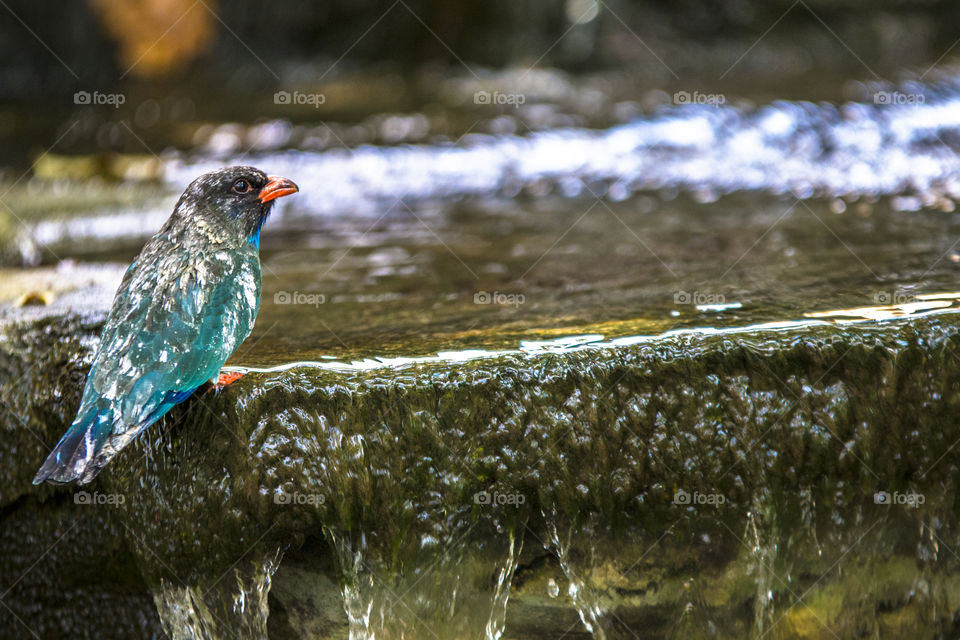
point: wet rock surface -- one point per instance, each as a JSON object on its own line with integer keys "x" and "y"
{"x": 69, "y": 572}
{"x": 663, "y": 407}
{"x": 692, "y": 484}
{"x": 66, "y": 563}
{"x": 714, "y": 476}
{"x": 659, "y": 408}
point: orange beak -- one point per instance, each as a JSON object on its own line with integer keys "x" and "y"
{"x": 277, "y": 187}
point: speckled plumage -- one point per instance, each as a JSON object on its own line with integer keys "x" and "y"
{"x": 185, "y": 304}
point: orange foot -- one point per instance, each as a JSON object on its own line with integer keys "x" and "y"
{"x": 228, "y": 378}
{"x": 220, "y": 382}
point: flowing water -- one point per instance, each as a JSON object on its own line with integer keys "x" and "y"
{"x": 691, "y": 216}
{"x": 537, "y": 267}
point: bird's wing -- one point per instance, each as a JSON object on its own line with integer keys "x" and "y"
{"x": 176, "y": 318}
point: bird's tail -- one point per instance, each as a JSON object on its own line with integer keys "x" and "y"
{"x": 75, "y": 456}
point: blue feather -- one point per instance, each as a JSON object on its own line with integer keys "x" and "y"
{"x": 165, "y": 337}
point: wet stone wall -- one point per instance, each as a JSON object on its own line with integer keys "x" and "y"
{"x": 796, "y": 483}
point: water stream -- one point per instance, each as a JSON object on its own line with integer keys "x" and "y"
{"x": 608, "y": 381}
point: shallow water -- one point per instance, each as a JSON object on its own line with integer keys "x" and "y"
{"x": 405, "y": 250}
{"x": 489, "y": 274}
{"x": 582, "y": 287}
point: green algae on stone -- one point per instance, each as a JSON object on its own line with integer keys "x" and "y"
{"x": 795, "y": 430}
{"x": 692, "y": 484}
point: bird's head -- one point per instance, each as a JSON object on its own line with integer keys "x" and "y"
{"x": 231, "y": 203}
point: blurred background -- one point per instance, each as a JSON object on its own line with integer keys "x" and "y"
{"x": 181, "y": 65}
{"x": 714, "y": 242}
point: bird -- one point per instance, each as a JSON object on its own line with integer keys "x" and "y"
{"x": 184, "y": 305}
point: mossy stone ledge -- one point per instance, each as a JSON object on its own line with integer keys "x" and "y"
{"x": 694, "y": 485}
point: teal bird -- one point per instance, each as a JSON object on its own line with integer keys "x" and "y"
{"x": 185, "y": 304}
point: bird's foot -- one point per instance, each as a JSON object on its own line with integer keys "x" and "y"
{"x": 228, "y": 378}
{"x": 224, "y": 379}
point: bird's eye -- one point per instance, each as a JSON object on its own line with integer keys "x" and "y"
{"x": 241, "y": 186}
